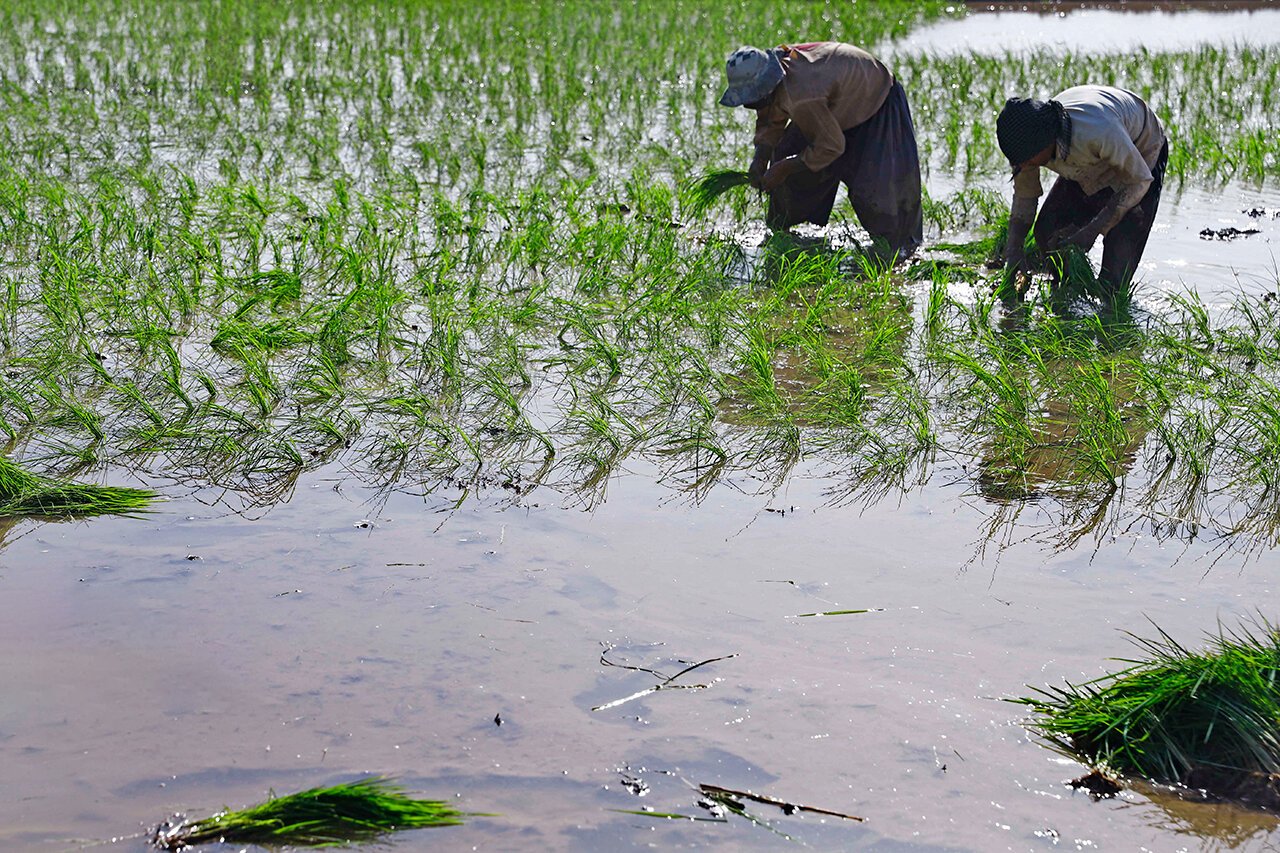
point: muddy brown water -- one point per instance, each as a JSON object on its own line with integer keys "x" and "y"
{"x": 324, "y": 640}
{"x": 197, "y": 658}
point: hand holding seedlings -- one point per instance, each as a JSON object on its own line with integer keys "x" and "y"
{"x": 780, "y": 171}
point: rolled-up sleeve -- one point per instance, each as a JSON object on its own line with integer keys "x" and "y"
{"x": 820, "y": 127}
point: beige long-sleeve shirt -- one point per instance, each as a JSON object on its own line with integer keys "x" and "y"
{"x": 1115, "y": 142}
{"x": 828, "y": 88}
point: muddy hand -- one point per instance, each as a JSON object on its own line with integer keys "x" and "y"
{"x": 779, "y": 172}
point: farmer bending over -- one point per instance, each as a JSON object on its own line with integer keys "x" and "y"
{"x": 828, "y": 113}
{"x": 1109, "y": 151}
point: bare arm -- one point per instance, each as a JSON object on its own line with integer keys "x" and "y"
{"x": 1021, "y": 215}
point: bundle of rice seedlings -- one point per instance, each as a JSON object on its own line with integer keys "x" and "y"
{"x": 361, "y": 811}
{"x": 1210, "y": 719}
{"x": 703, "y": 192}
{"x": 23, "y": 493}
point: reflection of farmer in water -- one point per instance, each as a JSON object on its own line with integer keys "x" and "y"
{"x": 1109, "y": 150}
{"x": 828, "y": 113}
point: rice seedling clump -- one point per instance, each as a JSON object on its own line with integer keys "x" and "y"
{"x": 360, "y": 811}
{"x": 1208, "y": 718}
{"x": 23, "y": 493}
{"x": 704, "y": 191}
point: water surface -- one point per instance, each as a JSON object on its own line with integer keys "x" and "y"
{"x": 1095, "y": 30}
{"x": 330, "y": 638}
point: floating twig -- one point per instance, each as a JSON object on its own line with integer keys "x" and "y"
{"x": 718, "y": 793}
{"x": 665, "y": 684}
{"x": 670, "y": 815}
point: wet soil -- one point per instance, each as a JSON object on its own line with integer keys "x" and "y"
{"x": 1258, "y": 790}
{"x": 1098, "y": 785}
{"x": 1231, "y": 233}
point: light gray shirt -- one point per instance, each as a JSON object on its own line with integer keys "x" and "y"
{"x": 1115, "y": 142}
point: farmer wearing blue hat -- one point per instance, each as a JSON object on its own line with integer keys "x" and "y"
{"x": 1109, "y": 151}
{"x": 829, "y": 113}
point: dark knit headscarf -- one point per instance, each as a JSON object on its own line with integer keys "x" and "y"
{"x": 1026, "y": 127}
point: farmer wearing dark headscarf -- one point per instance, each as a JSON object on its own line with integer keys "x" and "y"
{"x": 828, "y": 113}
{"x": 1109, "y": 151}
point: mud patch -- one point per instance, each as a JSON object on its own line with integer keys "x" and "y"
{"x": 1230, "y": 233}
{"x": 1245, "y": 787}
{"x": 1098, "y": 785}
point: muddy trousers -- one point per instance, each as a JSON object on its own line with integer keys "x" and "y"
{"x": 880, "y": 167}
{"x": 1067, "y": 208}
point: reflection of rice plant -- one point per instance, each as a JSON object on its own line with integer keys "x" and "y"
{"x": 362, "y": 811}
{"x": 1174, "y": 710}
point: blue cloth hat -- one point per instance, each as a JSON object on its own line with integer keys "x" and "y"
{"x": 753, "y": 73}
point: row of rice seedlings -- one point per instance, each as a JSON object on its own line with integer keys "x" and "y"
{"x": 1074, "y": 408}
{"x": 220, "y": 88}
{"x": 311, "y": 283}
{"x": 633, "y": 305}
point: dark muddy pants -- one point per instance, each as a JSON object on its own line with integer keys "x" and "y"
{"x": 1067, "y": 208}
{"x": 880, "y": 166}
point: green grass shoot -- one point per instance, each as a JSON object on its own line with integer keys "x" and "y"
{"x": 362, "y": 811}
{"x": 1176, "y": 712}
{"x": 838, "y": 612}
{"x": 25, "y": 494}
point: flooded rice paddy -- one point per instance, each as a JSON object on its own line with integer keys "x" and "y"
{"x": 431, "y": 590}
